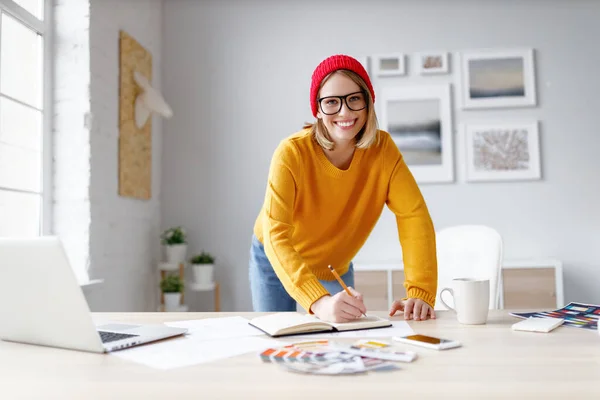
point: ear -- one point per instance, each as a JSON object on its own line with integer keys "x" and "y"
{"x": 319, "y": 113}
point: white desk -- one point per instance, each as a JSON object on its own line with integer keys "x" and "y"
{"x": 495, "y": 362}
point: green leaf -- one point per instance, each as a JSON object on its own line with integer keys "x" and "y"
{"x": 202, "y": 258}
{"x": 171, "y": 284}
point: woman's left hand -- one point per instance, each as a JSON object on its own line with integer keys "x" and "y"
{"x": 415, "y": 309}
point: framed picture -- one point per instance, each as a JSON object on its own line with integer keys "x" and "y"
{"x": 432, "y": 63}
{"x": 502, "y": 151}
{"x": 388, "y": 64}
{"x": 419, "y": 119}
{"x": 493, "y": 79}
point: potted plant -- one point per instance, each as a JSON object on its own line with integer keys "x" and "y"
{"x": 203, "y": 265}
{"x": 174, "y": 240}
{"x": 172, "y": 287}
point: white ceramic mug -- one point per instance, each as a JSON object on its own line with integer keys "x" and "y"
{"x": 471, "y": 300}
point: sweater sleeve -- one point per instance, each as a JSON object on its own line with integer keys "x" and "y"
{"x": 416, "y": 233}
{"x": 293, "y": 272}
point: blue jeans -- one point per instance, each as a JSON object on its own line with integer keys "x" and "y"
{"x": 268, "y": 293}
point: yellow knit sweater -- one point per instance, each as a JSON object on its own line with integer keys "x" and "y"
{"x": 315, "y": 214}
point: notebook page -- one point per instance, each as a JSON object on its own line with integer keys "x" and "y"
{"x": 275, "y": 322}
{"x": 398, "y": 328}
{"x": 362, "y": 323}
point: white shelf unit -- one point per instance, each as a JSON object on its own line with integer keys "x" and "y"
{"x": 165, "y": 268}
{"x": 508, "y": 265}
{"x": 168, "y": 268}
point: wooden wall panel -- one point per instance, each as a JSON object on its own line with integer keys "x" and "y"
{"x": 398, "y": 290}
{"x": 529, "y": 288}
{"x": 373, "y": 286}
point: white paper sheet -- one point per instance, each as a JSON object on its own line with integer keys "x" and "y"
{"x": 186, "y": 350}
{"x": 398, "y": 328}
{"x": 217, "y": 328}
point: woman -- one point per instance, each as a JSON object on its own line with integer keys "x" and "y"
{"x": 326, "y": 189}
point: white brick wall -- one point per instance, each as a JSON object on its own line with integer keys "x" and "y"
{"x": 116, "y": 238}
{"x": 72, "y": 217}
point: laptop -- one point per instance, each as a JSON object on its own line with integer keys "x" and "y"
{"x": 42, "y": 303}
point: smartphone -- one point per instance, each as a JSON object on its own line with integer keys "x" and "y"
{"x": 428, "y": 341}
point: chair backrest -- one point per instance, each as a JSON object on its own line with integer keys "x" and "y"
{"x": 469, "y": 251}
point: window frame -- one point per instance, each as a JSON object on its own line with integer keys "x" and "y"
{"x": 43, "y": 28}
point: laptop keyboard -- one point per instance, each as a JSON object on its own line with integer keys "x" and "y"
{"x": 112, "y": 336}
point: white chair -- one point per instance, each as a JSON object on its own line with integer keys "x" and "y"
{"x": 469, "y": 251}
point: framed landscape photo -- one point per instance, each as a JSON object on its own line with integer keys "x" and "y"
{"x": 498, "y": 78}
{"x": 388, "y": 64}
{"x": 419, "y": 120}
{"x": 502, "y": 151}
{"x": 432, "y": 63}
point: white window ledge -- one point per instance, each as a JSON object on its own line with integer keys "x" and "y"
{"x": 91, "y": 285}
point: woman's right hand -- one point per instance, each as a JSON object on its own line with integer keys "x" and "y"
{"x": 340, "y": 307}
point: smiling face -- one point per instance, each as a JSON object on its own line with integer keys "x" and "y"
{"x": 346, "y": 124}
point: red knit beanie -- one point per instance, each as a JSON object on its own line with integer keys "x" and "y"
{"x": 334, "y": 63}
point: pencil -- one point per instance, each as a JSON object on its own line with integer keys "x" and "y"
{"x": 333, "y": 271}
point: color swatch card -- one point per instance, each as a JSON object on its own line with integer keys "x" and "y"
{"x": 317, "y": 357}
{"x": 346, "y": 366}
{"x": 575, "y": 315}
{"x": 375, "y": 349}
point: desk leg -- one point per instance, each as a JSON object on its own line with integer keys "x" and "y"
{"x": 217, "y": 298}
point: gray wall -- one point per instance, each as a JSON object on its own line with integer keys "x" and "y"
{"x": 237, "y": 74}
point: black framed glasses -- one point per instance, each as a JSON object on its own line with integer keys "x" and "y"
{"x": 333, "y": 104}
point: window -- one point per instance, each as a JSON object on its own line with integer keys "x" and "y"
{"x": 24, "y": 148}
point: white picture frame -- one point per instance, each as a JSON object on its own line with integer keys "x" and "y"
{"x": 498, "y": 78}
{"x": 432, "y": 62}
{"x": 419, "y": 119}
{"x": 502, "y": 151}
{"x": 392, "y": 64}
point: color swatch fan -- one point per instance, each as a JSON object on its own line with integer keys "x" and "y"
{"x": 575, "y": 315}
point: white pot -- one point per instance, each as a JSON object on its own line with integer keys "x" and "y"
{"x": 176, "y": 253}
{"x": 172, "y": 301}
{"x": 203, "y": 274}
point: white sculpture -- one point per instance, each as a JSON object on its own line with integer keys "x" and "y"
{"x": 148, "y": 101}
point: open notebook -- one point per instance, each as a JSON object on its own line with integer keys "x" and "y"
{"x": 293, "y": 323}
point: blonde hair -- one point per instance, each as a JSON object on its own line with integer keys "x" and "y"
{"x": 367, "y": 136}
